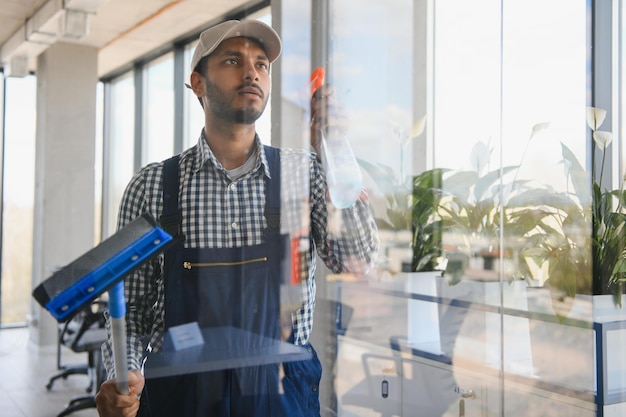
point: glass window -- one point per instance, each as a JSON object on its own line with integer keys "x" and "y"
{"x": 470, "y": 124}
{"x": 120, "y": 147}
{"x": 487, "y": 91}
{"x": 194, "y": 114}
{"x": 158, "y": 104}
{"x": 98, "y": 162}
{"x": 18, "y": 198}
{"x": 621, "y": 68}
{"x": 295, "y": 63}
{"x": 264, "y": 123}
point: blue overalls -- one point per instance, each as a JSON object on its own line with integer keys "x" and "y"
{"x": 237, "y": 287}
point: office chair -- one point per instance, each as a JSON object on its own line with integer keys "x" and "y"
{"x": 67, "y": 334}
{"x": 85, "y": 332}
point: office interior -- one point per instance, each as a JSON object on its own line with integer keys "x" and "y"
{"x": 508, "y": 98}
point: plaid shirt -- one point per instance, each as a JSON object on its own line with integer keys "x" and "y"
{"x": 220, "y": 213}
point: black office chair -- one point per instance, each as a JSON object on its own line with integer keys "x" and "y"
{"x": 85, "y": 332}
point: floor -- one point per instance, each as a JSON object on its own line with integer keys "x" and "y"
{"x": 25, "y": 371}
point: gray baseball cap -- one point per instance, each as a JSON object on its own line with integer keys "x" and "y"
{"x": 211, "y": 38}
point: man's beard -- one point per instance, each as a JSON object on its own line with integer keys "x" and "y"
{"x": 220, "y": 105}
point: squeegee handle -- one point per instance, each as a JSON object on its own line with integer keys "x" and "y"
{"x": 117, "y": 311}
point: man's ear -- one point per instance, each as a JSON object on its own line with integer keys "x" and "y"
{"x": 197, "y": 84}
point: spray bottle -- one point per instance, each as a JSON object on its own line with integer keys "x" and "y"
{"x": 343, "y": 175}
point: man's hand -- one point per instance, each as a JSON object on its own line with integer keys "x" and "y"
{"x": 326, "y": 112}
{"x": 112, "y": 404}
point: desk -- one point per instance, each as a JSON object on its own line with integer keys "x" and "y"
{"x": 223, "y": 348}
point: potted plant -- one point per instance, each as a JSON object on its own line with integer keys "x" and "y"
{"x": 585, "y": 218}
{"x": 454, "y": 215}
{"x": 411, "y": 207}
{"x": 463, "y": 213}
{"x": 608, "y": 220}
{"x": 478, "y": 206}
{"x": 580, "y": 249}
{"x": 468, "y": 203}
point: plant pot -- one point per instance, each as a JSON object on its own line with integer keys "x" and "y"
{"x": 423, "y": 327}
{"x": 562, "y": 351}
{"x": 565, "y": 353}
{"x": 449, "y": 320}
{"x": 433, "y": 324}
{"x": 487, "y": 337}
{"x": 612, "y": 319}
{"x": 605, "y": 310}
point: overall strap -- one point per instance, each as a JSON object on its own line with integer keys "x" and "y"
{"x": 170, "y": 219}
{"x": 272, "y": 190}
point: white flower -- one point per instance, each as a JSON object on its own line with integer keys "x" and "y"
{"x": 480, "y": 157}
{"x": 602, "y": 138}
{"x": 418, "y": 127}
{"x": 601, "y": 230}
{"x": 595, "y": 117}
{"x": 539, "y": 127}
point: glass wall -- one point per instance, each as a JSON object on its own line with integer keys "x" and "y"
{"x": 98, "y": 206}
{"x": 158, "y": 119}
{"x": 194, "y": 116}
{"x": 119, "y": 152}
{"x": 473, "y": 123}
{"x": 18, "y": 193}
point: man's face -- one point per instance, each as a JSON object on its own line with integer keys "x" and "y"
{"x": 237, "y": 81}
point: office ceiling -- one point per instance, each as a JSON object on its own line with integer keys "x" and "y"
{"x": 122, "y": 30}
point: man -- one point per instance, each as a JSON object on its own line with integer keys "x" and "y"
{"x": 228, "y": 264}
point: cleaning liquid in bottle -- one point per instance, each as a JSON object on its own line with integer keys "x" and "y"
{"x": 343, "y": 175}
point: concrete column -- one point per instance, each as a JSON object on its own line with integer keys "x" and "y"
{"x": 64, "y": 168}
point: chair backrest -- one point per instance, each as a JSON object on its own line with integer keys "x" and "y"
{"x": 86, "y": 329}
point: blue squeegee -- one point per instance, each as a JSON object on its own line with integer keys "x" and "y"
{"x": 101, "y": 269}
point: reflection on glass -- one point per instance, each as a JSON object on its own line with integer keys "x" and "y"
{"x": 491, "y": 197}
{"x": 510, "y": 208}
{"x": 18, "y": 198}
